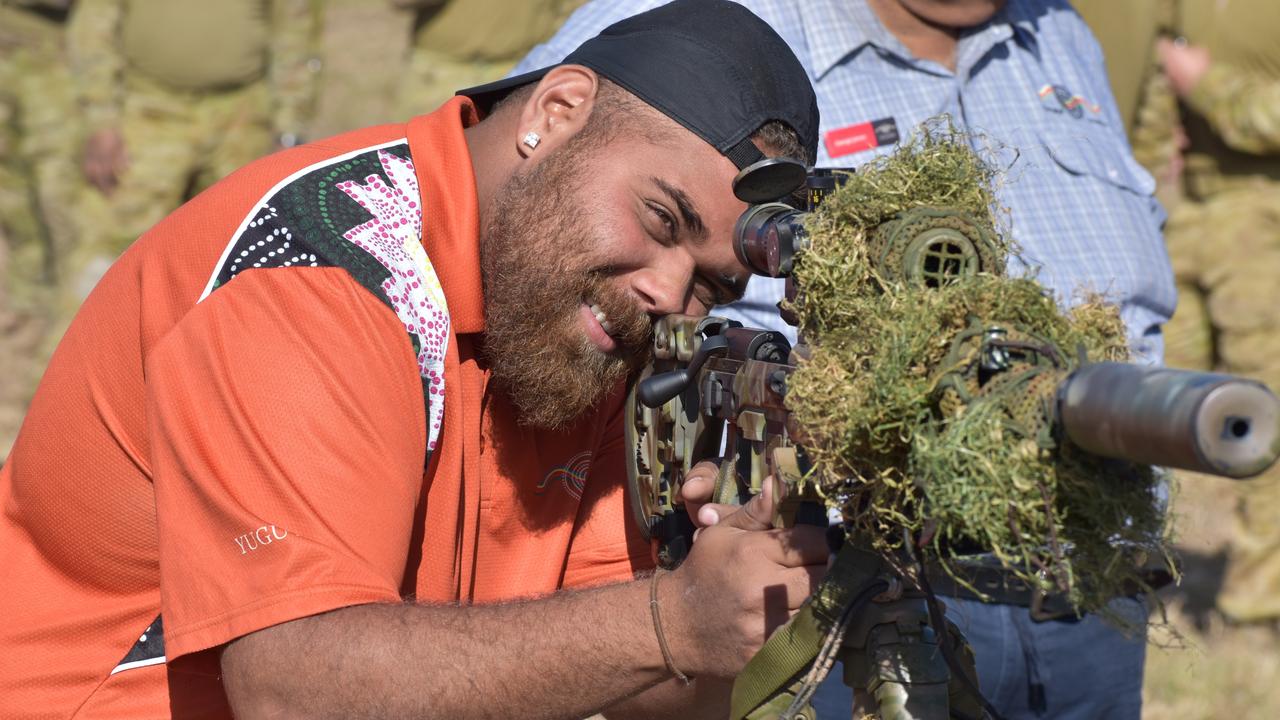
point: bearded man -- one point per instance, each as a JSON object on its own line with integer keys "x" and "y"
{"x": 1027, "y": 78}
{"x": 342, "y": 436}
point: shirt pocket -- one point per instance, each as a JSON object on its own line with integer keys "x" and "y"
{"x": 1089, "y": 149}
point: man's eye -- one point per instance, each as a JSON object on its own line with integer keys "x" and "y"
{"x": 665, "y": 218}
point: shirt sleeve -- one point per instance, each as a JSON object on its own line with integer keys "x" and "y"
{"x": 1242, "y": 107}
{"x": 287, "y": 429}
{"x": 582, "y": 25}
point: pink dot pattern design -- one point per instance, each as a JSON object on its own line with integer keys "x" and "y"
{"x": 361, "y": 212}
{"x": 393, "y": 236}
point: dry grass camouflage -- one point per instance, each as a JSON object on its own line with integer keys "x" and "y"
{"x": 909, "y": 435}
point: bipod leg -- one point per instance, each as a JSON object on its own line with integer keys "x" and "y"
{"x": 894, "y": 663}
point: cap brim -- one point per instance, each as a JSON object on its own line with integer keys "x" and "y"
{"x": 487, "y": 95}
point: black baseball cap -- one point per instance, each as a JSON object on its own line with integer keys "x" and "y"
{"x": 710, "y": 65}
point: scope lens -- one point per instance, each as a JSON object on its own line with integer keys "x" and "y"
{"x": 765, "y": 238}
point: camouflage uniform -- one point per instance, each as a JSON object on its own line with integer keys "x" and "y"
{"x": 196, "y": 89}
{"x": 1224, "y": 227}
{"x": 359, "y": 76}
{"x": 425, "y": 50}
{"x": 1224, "y": 241}
{"x": 38, "y": 184}
{"x": 468, "y": 42}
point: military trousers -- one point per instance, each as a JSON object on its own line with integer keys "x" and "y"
{"x": 1226, "y": 256}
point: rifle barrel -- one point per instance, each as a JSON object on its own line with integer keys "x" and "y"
{"x": 1204, "y": 422}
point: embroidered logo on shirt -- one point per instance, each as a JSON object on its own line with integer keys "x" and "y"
{"x": 862, "y": 136}
{"x": 259, "y": 537}
{"x": 1057, "y": 98}
{"x": 572, "y": 476}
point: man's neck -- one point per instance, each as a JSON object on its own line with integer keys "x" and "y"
{"x": 925, "y": 40}
{"x": 493, "y": 158}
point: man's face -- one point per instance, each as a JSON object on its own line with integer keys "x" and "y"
{"x": 591, "y": 244}
{"x": 955, "y": 14}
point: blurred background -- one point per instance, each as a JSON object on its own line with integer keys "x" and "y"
{"x": 114, "y": 112}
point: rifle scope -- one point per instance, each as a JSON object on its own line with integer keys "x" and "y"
{"x": 766, "y": 238}
{"x": 768, "y": 235}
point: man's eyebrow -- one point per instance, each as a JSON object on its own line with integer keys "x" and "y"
{"x": 692, "y": 219}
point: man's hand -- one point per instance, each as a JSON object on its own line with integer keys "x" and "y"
{"x": 696, "y": 490}
{"x": 105, "y": 160}
{"x": 742, "y": 580}
{"x": 699, "y": 486}
{"x": 1183, "y": 64}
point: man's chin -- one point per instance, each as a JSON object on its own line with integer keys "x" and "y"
{"x": 555, "y": 414}
{"x": 557, "y": 403}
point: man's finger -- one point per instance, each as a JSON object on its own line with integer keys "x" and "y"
{"x": 757, "y": 514}
{"x": 802, "y": 582}
{"x": 796, "y": 547}
{"x": 697, "y": 488}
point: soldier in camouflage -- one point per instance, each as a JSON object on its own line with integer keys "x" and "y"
{"x": 38, "y": 185}
{"x": 461, "y": 43}
{"x": 425, "y": 50}
{"x": 176, "y": 94}
{"x": 1203, "y": 115}
{"x": 1224, "y": 240}
{"x": 361, "y": 55}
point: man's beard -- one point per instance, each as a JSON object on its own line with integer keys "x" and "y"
{"x": 537, "y": 267}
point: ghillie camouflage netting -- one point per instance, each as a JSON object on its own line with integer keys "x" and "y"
{"x": 927, "y": 447}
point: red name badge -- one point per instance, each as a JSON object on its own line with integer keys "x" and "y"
{"x": 863, "y": 136}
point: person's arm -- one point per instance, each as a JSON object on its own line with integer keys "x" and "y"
{"x": 1242, "y": 107}
{"x": 292, "y": 66}
{"x": 569, "y": 655}
{"x": 705, "y": 697}
{"x": 93, "y": 48}
{"x": 523, "y": 660}
{"x": 585, "y": 23}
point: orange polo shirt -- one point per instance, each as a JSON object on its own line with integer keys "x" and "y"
{"x": 271, "y": 407}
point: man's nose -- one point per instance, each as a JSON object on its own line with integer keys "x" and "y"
{"x": 663, "y": 289}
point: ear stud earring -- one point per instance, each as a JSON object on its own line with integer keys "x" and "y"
{"x": 531, "y": 139}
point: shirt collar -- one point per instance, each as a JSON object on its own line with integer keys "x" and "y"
{"x": 1015, "y": 21}
{"x": 835, "y": 29}
{"x": 1020, "y": 17}
{"x": 450, "y": 210}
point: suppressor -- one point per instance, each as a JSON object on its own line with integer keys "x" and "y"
{"x": 1203, "y": 422}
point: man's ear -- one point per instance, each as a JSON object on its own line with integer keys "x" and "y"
{"x": 557, "y": 109}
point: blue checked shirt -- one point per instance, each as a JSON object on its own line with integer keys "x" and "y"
{"x": 1032, "y": 85}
